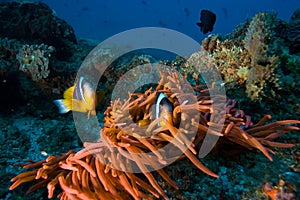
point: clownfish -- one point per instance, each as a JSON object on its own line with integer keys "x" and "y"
{"x": 80, "y": 98}
{"x": 163, "y": 108}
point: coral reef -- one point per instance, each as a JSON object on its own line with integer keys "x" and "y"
{"x": 25, "y": 51}
{"x": 100, "y": 170}
{"x": 263, "y": 66}
{"x": 31, "y": 128}
{"x": 210, "y": 42}
{"x": 244, "y": 62}
{"x": 9, "y": 48}
{"x": 36, "y": 23}
{"x": 34, "y": 59}
{"x": 293, "y": 33}
{"x": 232, "y": 61}
{"x": 282, "y": 191}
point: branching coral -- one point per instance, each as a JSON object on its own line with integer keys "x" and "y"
{"x": 132, "y": 140}
{"x": 34, "y": 59}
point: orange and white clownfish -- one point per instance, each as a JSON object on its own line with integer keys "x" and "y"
{"x": 80, "y": 98}
{"x": 163, "y": 108}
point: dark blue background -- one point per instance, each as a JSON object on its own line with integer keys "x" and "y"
{"x": 99, "y": 19}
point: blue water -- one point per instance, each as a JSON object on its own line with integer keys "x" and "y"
{"x": 101, "y": 19}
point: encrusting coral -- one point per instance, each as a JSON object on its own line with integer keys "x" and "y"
{"x": 131, "y": 140}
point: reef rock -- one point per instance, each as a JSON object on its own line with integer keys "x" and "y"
{"x": 293, "y": 33}
{"x": 35, "y": 22}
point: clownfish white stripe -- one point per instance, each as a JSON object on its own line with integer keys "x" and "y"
{"x": 160, "y": 97}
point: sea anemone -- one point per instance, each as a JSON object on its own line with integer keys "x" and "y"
{"x": 135, "y": 142}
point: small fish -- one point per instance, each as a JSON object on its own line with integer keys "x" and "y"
{"x": 85, "y": 9}
{"x": 207, "y": 21}
{"x": 164, "y": 108}
{"x": 187, "y": 12}
{"x": 80, "y": 98}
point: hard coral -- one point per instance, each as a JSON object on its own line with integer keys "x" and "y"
{"x": 230, "y": 59}
{"x": 132, "y": 141}
{"x": 34, "y": 59}
{"x": 246, "y": 63}
{"x": 210, "y": 43}
{"x": 35, "y": 22}
{"x": 258, "y": 35}
{"x": 263, "y": 66}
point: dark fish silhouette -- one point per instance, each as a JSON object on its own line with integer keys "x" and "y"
{"x": 207, "y": 21}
